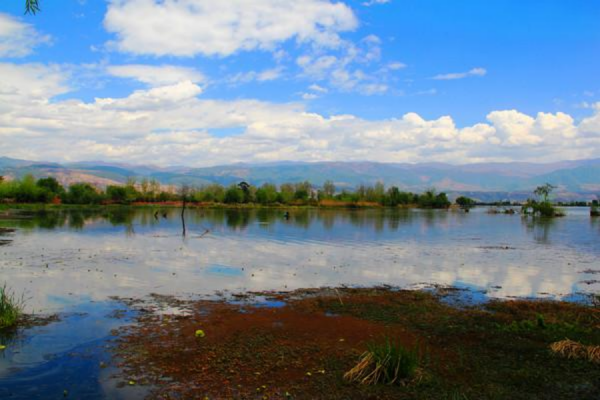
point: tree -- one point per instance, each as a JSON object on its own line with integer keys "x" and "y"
{"x": 594, "y": 209}
{"x": 544, "y": 191}
{"x": 49, "y": 189}
{"x": 328, "y": 189}
{"x": 32, "y": 6}
{"x": 465, "y": 202}
{"x": 117, "y": 194}
{"x": 82, "y": 193}
{"x": 266, "y": 194}
{"x": 245, "y": 188}
{"x": 50, "y": 184}
{"x": 234, "y": 195}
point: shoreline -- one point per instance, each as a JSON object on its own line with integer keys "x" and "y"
{"x": 299, "y": 344}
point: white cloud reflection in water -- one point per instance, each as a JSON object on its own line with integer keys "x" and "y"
{"x": 129, "y": 253}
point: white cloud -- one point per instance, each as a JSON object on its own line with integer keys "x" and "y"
{"x": 192, "y": 27}
{"x": 156, "y": 75}
{"x": 309, "y": 96}
{"x": 395, "y": 66}
{"x": 260, "y": 76}
{"x": 316, "y": 88}
{"x": 342, "y": 69}
{"x": 428, "y": 92}
{"x": 30, "y": 83}
{"x": 375, "y": 2}
{"x": 461, "y": 75}
{"x": 18, "y": 39}
{"x": 172, "y": 124}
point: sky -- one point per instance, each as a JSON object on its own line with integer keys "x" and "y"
{"x": 201, "y": 83}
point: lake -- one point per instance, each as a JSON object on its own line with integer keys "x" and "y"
{"x": 73, "y": 262}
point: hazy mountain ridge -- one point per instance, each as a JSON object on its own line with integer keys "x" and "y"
{"x": 576, "y": 179}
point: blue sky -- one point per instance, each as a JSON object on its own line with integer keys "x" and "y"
{"x": 196, "y": 83}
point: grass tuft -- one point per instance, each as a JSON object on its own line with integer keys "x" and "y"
{"x": 388, "y": 363}
{"x": 572, "y": 349}
{"x": 10, "y": 308}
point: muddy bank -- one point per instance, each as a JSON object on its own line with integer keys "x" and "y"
{"x": 300, "y": 344}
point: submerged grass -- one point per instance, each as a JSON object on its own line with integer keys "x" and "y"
{"x": 11, "y": 308}
{"x": 387, "y": 363}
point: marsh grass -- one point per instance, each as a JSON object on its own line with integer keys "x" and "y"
{"x": 11, "y": 308}
{"x": 572, "y": 349}
{"x": 388, "y": 363}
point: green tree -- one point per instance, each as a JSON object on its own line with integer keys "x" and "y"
{"x": 118, "y": 194}
{"x": 465, "y": 202}
{"x": 286, "y": 193}
{"x": 302, "y": 191}
{"x": 430, "y": 199}
{"x": 266, "y": 194}
{"x": 544, "y": 191}
{"x": 328, "y": 189}
{"x": 234, "y": 195}
{"x": 82, "y": 193}
{"x": 50, "y": 184}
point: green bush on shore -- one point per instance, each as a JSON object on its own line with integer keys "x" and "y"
{"x": 49, "y": 190}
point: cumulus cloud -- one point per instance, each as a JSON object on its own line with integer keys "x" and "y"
{"x": 171, "y": 124}
{"x": 461, "y": 75}
{"x": 30, "y": 83}
{"x": 156, "y": 75}
{"x": 18, "y": 39}
{"x": 193, "y": 27}
{"x": 344, "y": 69}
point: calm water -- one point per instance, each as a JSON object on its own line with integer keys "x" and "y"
{"x": 73, "y": 262}
{"x": 65, "y": 258}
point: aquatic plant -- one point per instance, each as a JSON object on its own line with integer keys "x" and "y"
{"x": 10, "y": 308}
{"x": 388, "y": 363}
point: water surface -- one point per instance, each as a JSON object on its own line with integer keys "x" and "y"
{"x": 72, "y": 262}
{"x": 69, "y": 257}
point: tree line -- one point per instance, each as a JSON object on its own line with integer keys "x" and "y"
{"x": 49, "y": 190}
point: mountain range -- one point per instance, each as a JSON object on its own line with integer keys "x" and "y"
{"x": 575, "y": 180}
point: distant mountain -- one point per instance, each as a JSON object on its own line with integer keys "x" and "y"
{"x": 486, "y": 181}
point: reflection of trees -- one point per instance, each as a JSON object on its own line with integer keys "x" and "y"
{"x": 125, "y": 216}
{"x": 595, "y": 222}
{"x": 377, "y": 220}
{"x": 302, "y": 218}
{"x": 433, "y": 217}
{"x": 328, "y": 218}
{"x": 50, "y": 220}
{"x": 539, "y": 228}
{"x": 397, "y": 217}
{"x": 76, "y": 219}
{"x": 238, "y": 219}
